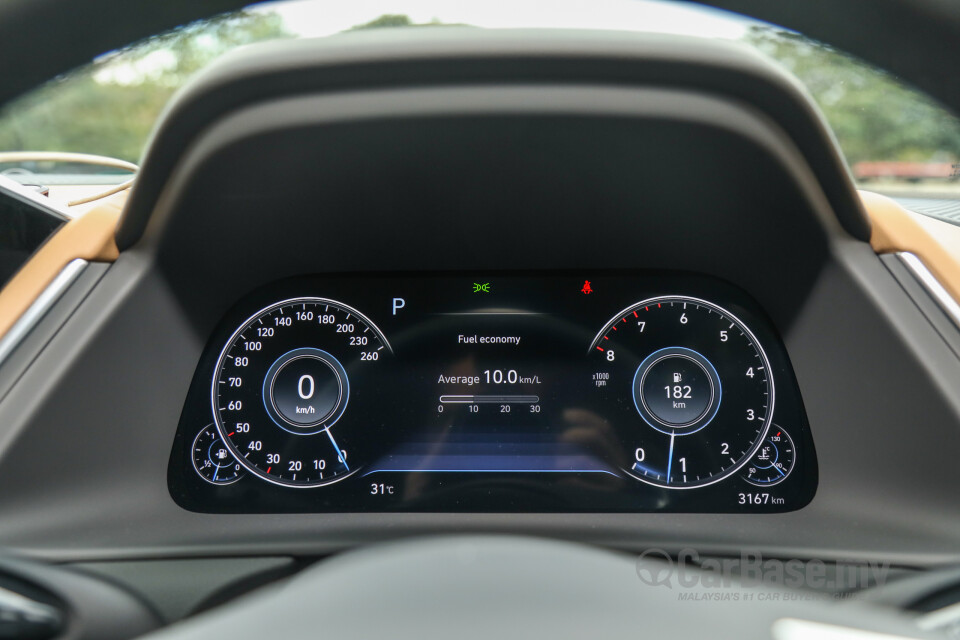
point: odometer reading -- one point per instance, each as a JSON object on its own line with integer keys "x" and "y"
{"x": 282, "y": 387}
{"x": 692, "y": 387}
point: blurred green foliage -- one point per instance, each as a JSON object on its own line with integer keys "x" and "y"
{"x": 874, "y": 116}
{"x": 110, "y": 106}
{"x": 385, "y": 21}
{"x": 400, "y": 20}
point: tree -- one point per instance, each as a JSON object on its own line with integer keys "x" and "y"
{"x": 385, "y": 21}
{"x": 110, "y": 106}
{"x": 874, "y": 115}
{"x": 390, "y": 20}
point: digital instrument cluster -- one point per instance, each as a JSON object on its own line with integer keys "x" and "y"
{"x": 497, "y": 393}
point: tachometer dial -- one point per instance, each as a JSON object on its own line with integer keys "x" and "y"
{"x": 212, "y": 460}
{"x": 283, "y": 385}
{"x": 692, "y": 389}
{"x": 773, "y": 461}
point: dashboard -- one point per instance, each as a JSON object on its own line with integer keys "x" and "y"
{"x": 598, "y": 288}
{"x": 367, "y": 287}
{"x": 494, "y": 392}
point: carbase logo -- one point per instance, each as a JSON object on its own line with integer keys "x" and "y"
{"x": 688, "y": 570}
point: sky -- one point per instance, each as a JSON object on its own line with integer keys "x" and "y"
{"x": 308, "y": 18}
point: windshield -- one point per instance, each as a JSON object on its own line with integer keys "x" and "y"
{"x": 895, "y": 139}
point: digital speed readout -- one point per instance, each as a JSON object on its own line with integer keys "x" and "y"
{"x": 645, "y": 393}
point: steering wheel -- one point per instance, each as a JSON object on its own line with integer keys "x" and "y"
{"x": 514, "y": 587}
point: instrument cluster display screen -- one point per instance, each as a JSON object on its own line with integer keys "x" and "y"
{"x": 569, "y": 392}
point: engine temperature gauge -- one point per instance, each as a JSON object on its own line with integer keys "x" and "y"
{"x": 773, "y": 461}
{"x": 212, "y": 460}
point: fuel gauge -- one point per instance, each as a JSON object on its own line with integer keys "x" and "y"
{"x": 773, "y": 461}
{"x": 212, "y": 460}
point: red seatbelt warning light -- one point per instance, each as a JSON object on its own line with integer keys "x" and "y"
{"x": 586, "y": 287}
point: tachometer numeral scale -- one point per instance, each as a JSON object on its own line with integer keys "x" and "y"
{"x": 282, "y": 384}
{"x": 700, "y": 386}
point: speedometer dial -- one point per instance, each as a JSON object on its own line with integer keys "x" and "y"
{"x": 692, "y": 388}
{"x": 282, "y": 390}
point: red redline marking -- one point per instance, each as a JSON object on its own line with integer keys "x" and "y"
{"x": 605, "y": 338}
{"x": 230, "y": 435}
{"x": 268, "y": 469}
{"x": 635, "y": 315}
{"x": 778, "y": 434}
{"x": 614, "y": 327}
{"x": 646, "y": 308}
{"x": 599, "y": 347}
{"x": 658, "y": 305}
{"x": 624, "y": 319}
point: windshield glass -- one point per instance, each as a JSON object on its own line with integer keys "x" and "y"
{"x": 895, "y": 140}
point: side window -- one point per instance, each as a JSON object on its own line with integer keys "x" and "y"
{"x": 25, "y": 224}
{"x": 894, "y": 138}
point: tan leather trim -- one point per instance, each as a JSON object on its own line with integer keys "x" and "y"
{"x": 936, "y": 243}
{"x": 89, "y": 237}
